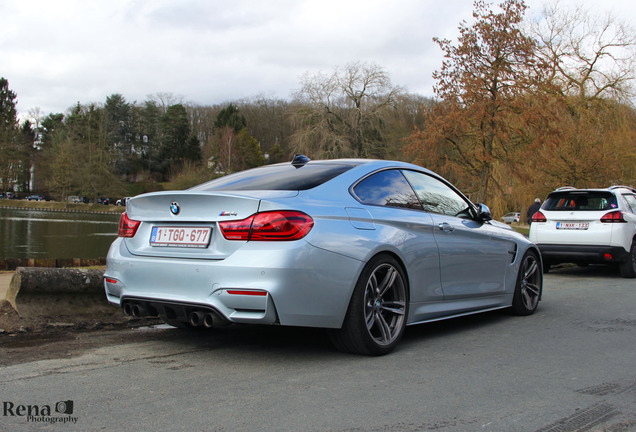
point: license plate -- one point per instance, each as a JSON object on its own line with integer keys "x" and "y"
{"x": 572, "y": 225}
{"x": 189, "y": 237}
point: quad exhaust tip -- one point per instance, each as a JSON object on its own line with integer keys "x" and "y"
{"x": 127, "y": 309}
{"x": 195, "y": 318}
{"x": 138, "y": 311}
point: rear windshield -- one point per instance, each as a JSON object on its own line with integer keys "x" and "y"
{"x": 276, "y": 177}
{"x": 580, "y": 200}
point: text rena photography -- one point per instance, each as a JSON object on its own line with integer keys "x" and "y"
{"x": 59, "y": 412}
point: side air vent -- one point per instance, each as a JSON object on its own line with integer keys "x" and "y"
{"x": 513, "y": 253}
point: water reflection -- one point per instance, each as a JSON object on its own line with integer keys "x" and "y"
{"x": 41, "y": 234}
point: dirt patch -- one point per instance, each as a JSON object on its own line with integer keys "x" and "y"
{"x": 60, "y": 313}
{"x": 41, "y": 341}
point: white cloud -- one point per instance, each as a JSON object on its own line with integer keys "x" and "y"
{"x": 55, "y": 54}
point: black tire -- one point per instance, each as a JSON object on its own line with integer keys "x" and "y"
{"x": 628, "y": 268}
{"x": 529, "y": 285}
{"x": 378, "y": 309}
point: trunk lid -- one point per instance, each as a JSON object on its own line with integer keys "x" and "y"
{"x": 186, "y": 211}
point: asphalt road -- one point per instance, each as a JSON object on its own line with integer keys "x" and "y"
{"x": 569, "y": 367}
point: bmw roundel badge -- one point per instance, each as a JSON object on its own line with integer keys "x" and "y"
{"x": 174, "y": 208}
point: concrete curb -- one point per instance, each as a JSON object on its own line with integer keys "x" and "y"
{"x": 41, "y": 297}
{"x": 43, "y": 291}
{"x": 14, "y": 263}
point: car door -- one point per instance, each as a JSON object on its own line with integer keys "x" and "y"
{"x": 400, "y": 222}
{"x": 473, "y": 257}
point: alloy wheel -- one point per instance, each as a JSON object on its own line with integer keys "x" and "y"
{"x": 530, "y": 287}
{"x": 385, "y": 304}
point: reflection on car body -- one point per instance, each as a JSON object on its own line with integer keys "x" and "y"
{"x": 360, "y": 247}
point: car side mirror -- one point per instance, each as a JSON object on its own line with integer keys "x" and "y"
{"x": 483, "y": 213}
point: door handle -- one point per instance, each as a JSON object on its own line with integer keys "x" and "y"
{"x": 446, "y": 227}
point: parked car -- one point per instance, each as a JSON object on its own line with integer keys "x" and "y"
{"x": 361, "y": 247}
{"x": 74, "y": 199}
{"x": 103, "y": 201}
{"x": 122, "y": 202}
{"x": 9, "y": 195}
{"x": 509, "y": 218}
{"x": 588, "y": 226}
{"x": 35, "y": 198}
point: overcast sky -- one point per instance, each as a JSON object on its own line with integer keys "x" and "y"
{"x": 58, "y": 53}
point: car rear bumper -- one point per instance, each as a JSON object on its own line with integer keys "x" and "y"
{"x": 584, "y": 254}
{"x": 259, "y": 284}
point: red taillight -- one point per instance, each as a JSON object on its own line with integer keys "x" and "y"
{"x": 538, "y": 217}
{"x": 237, "y": 230}
{"x": 269, "y": 226}
{"x": 282, "y": 225}
{"x": 127, "y": 226}
{"x": 613, "y": 217}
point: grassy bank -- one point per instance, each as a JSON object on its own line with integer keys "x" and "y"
{"x": 61, "y": 206}
{"x": 523, "y": 229}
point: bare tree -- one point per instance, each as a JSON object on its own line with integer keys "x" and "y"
{"x": 165, "y": 100}
{"x": 340, "y": 114}
{"x": 36, "y": 116}
{"x": 588, "y": 56}
{"x": 267, "y": 122}
{"x": 583, "y": 134}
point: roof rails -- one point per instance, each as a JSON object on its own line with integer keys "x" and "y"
{"x": 565, "y": 188}
{"x": 622, "y": 187}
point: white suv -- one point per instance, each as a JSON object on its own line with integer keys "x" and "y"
{"x": 587, "y": 226}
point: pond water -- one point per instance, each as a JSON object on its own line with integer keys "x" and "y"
{"x": 32, "y": 233}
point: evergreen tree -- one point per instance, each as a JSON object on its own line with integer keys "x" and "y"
{"x": 119, "y": 131}
{"x": 235, "y": 149}
{"x": 14, "y": 152}
{"x": 177, "y": 144}
{"x": 230, "y": 117}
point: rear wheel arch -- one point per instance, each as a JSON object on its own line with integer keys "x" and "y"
{"x": 528, "y": 284}
{"x": 545, "y": 265}
{"x": 397, "y": 258}
{"x": 401, "y": 263}
{"x": 374, "y": 325}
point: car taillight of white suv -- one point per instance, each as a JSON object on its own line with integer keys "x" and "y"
{"x": 588, "y": 226}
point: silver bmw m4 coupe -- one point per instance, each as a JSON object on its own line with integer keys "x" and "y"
{"x": 361, "y": 247}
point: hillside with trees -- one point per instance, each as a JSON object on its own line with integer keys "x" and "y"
{"x": 521, "y": 107}
{"x": 522, "y": 110}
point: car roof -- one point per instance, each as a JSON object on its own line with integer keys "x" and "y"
{"x": 607, "y": 189}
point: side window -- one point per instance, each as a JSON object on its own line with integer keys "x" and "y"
{"x": 437, "y": 197}
{"x": 631, "y": 201}
{"x": 387, "y": 188}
